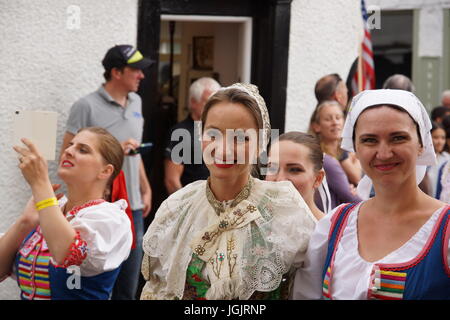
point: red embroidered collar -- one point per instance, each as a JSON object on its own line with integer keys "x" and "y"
{"x": 72, "y": 213}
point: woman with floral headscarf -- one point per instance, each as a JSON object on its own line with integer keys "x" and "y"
{"x": 231, "y": 236}
{"x": 396, "y": 244}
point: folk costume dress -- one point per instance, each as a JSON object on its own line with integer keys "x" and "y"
{"x": 200, "y": 248}
{"x": 419, "y": 269}
{"x": 103, "y": 242}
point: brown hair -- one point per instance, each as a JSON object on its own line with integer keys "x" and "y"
{"x": 107, "y": 73}
{"x": 110, "y": 149}
{"x": 309, "y": 141}
{"x": 326, "y": 87}
{"x": 234, "y": 95}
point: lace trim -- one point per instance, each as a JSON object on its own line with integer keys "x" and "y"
{"x": 219, "y": 206}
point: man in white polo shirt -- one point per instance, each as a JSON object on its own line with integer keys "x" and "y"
{"x": 116, "y": 107}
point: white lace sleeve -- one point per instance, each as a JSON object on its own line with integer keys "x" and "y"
{"x": 152, "y": 269}
{"x": 106, "y": 229}
{"x": 166, "y": 242}
{"x": 308, "y": 278}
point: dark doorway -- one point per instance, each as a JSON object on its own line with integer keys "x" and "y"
{"x": 271, "y": 20}
{"x": 269, "y": 63}
{"x": 392, "y": 45}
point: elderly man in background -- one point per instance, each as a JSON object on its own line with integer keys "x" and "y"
{"x": 445, "y": 99}
{"x": 399, "y": 81}
{"x": 179, "y": 172}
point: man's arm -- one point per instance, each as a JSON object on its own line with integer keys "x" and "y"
{"x": 146, "y": 190}
{"x": 172, "y": 175}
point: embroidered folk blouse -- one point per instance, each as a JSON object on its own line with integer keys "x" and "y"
{"x": 103, "y": 242}
{"x": 352, "y": 274}
{"x": 239, "y": 246}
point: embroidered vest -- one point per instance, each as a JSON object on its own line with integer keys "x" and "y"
{"x": 427, "y": 276}
{"x": 38, "y": 278}
{"x": 32, "y": 268}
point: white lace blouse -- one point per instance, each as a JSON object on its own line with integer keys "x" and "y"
{"x": 351, "y": 273}
{"x": 246, "y": 247}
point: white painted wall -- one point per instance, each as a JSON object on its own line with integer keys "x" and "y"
{"x": 47, "y": 66}
{"x": 324, "y": 38}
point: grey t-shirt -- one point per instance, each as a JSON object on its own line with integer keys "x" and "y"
{"x": 100, "y": 110}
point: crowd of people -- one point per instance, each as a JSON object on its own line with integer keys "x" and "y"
{"x": 355, "y": 208}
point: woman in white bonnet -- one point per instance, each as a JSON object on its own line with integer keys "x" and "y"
{"x": 396, "y": 244}
{"x": 231, "y": 236}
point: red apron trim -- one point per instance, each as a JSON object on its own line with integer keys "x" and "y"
{"x": 337, "y": 240}
{"x": 416, "y": 260}
{"x": 445, "y": 243}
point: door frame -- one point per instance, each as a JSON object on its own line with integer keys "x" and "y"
{"x": 270, "y": 46}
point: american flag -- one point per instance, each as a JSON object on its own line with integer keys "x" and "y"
{"x": 367, "y": 68}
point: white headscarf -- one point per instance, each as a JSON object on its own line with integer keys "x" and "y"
{"x": 405, "y": 100}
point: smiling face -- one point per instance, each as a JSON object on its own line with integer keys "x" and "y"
{"x": 292, "y": 162}
{"x": 81, "y": 161}
{"x": 229, "y": 144}
{"x": 330, "y": 122}
{"x": 387, "y": 145}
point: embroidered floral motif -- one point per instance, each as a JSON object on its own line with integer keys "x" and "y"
{"x": 219, "y": 206}
{"x": 217, "y": 263}
{"x": 223, "y": 224}
{"x": 206, "y": 236}
{"x": 77, "y": 253}
{"x": 231, "y": 245}
{"x": 199, "y": 250}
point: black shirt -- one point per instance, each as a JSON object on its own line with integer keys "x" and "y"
{"x": 194, "y": 168}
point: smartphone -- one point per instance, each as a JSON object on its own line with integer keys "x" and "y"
{"x": 143, "y": 148}
{"x": 38, "y": 126}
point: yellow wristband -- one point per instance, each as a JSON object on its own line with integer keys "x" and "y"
{"x": 46, "y": 203}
